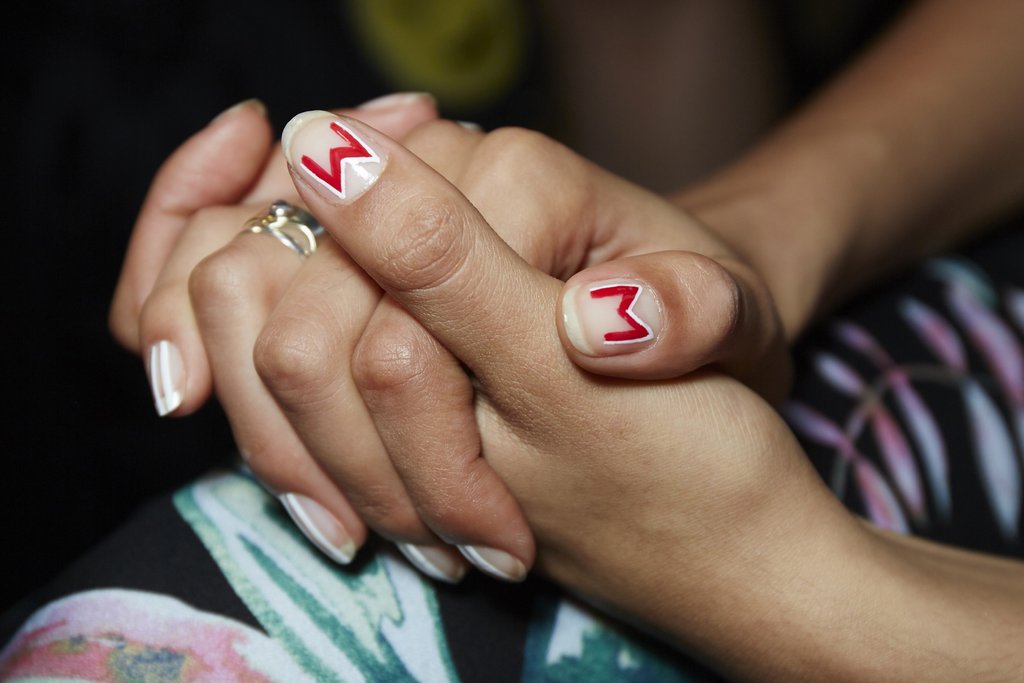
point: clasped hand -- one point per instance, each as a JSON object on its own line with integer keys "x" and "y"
{"x": 428, "y": 374}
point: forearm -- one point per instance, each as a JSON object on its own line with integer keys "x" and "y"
{"x": 798, "y": 590}
{"x": 915, "y": 146}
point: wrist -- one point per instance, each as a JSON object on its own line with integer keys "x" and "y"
{"x": 793, "y": 210}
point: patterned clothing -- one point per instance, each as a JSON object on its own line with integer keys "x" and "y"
{"x": 910, "y": 403}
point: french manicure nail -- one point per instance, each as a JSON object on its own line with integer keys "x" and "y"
{"x": 610, "y": 318}
{"x": 434, "y": 562}
{"x": 330, "y": 155}
{"x": 396, "y": 100}
{"x": 252, "y": 103}
{"x": 320, "y": 527}
{"x": 166, "y": 376}
{"x": 497, "y": 563}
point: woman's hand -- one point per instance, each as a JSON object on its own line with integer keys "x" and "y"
{"x": 199, "y": 199}
{"x": 685, "y": 504}
{"x": 312, "y": 428}
{"x": 557, "y": 211}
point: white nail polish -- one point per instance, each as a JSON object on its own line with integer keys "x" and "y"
{"x": 320, "y": 527}
{"x": 494, "y": 562}
{"x": 433, "y": 562}
{"x": 329, "y": 154}
{"x": 166, "y": 376}
{"x": 396, "y": 100}
{"x": 610, "y": 318}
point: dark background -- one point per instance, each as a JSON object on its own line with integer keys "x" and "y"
{"x": 98, "y": 94}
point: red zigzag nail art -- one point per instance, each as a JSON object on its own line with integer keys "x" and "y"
{"x": 638, "y": 330}
{"x": 355, "y": 152}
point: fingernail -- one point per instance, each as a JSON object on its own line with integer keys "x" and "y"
{"x": 320, "y": 527}
{"x": 166, "y": 376}
{"x": 497, "y": 563}
{"x": 469, "y": 125}
{"x": 251, "y": 103}
{"x": 610, "y": 318}
{"x": 434, "y": 562}
{"x": 397, "y": 100}
{"x": 330, "y": 156}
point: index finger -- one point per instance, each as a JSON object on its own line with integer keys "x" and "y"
{"x": 424, "y": 243}
{"x": 215, "y": 166}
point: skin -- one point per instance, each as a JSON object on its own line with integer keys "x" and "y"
{"x": 741, "y": 511}
{"x": 788, "y": 584}
{"x": 287, "y": 364}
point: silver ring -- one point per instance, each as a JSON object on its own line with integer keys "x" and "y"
{"x": 292, "y": 226}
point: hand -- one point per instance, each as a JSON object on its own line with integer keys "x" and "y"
{"x": 642, "y": 494}
{"x": 301, "y": 354}
{"x": 246, "y": 287}
{"x": 565, "y": 213}
{"x": 686, "y": 504}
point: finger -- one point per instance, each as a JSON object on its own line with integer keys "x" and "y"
{"x": 303, "y": 356}
{"x": 215, "y": 166}
{"x": 422, "y": 405}
{"x": 396, "y": 114}
{"x": 232, "y": 292}
{"x": 176, "y": 361}
{"x": 422, "y": 241}
{"x": 665, "y": 314}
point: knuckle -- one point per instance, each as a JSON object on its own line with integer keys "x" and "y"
{"x": 549, "y": 185}
{"x": 291, "y": 355}
{"x": 511, "y": 152}
{"x": 389, "y": 361}
{"x": 221, "y": 280}
{"x": 429, "y": 247}
{"x": 433, "y": 136}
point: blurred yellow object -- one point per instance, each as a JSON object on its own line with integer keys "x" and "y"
{"x": 467, "y": 53}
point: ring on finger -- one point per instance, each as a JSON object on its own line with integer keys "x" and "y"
{"x": 291, "y": 225}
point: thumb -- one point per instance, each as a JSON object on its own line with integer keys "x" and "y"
{"x": 423, "y": 242}
{"x": 429, "y": 248}
{"x": 664, "y": 314}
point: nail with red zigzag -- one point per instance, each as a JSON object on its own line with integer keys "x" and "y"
{"x": 330, "y": 156}
{"x": 610, "y": 318}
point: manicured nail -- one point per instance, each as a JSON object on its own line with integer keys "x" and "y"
{"x": 610, "y": 318}
{"x": 330, "y": 155}
{"x": 397, "y": 100}
{"x": 497, "y": 563}
{"x": 166, "y": 376}
{"x": 251, "y": 103}
{"x": 434, "y": 562}
{"x": 320, "y": 527}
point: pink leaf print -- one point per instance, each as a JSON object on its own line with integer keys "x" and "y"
{"x": 838, "y": 374}
{"x": 937, "y": 334}
{"x": 815, "y": 426}
{"x": 899, "y": 461}
{"x": 856, "y": 337}
{"x": 928, "y": 438}
{"x": 882, "y": 507}
{"x": 121, "y": 635}
{"x": 992, "y": 337}
{"x": 996, "y": 463}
